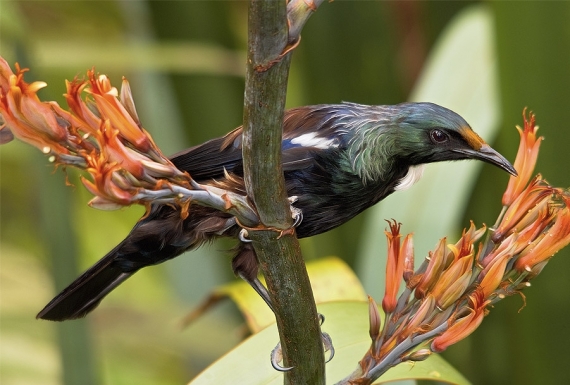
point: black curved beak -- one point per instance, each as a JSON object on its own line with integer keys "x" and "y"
{"x": 487, "y": 154}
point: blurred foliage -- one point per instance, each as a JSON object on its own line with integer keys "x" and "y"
{"x": 184, "y": 63}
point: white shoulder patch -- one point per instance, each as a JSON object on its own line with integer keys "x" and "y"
{"x": 414, "y": 174}
{"x": 311, "y": 140}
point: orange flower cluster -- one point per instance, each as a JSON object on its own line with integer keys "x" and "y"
{"x": 447, "y": 297}
{"x": 101, "y": 134}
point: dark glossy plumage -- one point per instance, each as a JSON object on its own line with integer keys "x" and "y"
{"x": 338, "y": 160}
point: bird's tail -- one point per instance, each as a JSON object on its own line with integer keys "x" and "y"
{"x": 85, "y": 293}
{"x": 160, "y": 235}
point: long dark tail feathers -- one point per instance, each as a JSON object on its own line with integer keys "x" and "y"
{"x": 158, "y": 237}
{"x": 85, "y": 293}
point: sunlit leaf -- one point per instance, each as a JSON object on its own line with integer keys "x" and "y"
{"x": 347, "y": 323}
{"x": 331, "y": 280}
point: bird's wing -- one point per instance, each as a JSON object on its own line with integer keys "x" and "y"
{"x": 306, "y": 132}
{"x": 208, "y": 160}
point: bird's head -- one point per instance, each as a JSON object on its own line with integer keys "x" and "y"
{"x": 429, "y": 133}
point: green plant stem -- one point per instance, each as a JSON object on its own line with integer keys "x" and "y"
{"x": 279, "y": 255}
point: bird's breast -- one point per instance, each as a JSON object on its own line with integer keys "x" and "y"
{"x": 329, "y": 200}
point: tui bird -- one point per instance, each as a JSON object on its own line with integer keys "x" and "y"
{"x": 338, "y": 160}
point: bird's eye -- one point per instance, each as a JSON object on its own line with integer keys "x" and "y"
{"x": 438, "y": 136}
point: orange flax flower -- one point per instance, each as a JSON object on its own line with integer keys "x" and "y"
{"x": 374, "y": 319}
{"x": 100, "y": 134}
{"x": 525, "y": 160}
{"x": 505, "y": 246}
{"x": 24, "y": 115}
{"x": 537, "y": 192}
{"x": 453, "y": 281}
{"x": 127, "y": 101}
{"x": 408, "y": 252}
{"x": 465, "y": 244}
{"x": 492, "y": 276}
{"x": 420, "y": 317}
{"x": 532, "y": 232}
{"x": 557, "y": 237}
{"x": 109, "y": 194}
{"x": 464, "y": 326}
{"x": 438, "y": 261}
{"x": 79, "y": 140}
{"x": 90, "y": 122}
{"x": 394, "y": 268}
{"x": 447, "y": 297}
{"x": 110, "y": 108}
{"x": 540, "y": 215}
{"x": 118, "y": 153}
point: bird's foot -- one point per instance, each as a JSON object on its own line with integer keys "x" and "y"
{"x": 297, "y": 215}
{"x": 277, "y": 352}
{"x": 244, "y": 236}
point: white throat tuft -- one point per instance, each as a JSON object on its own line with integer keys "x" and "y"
{"x": 414, "y": 174}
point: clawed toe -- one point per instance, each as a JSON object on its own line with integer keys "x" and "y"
{"x": 244, "y": 236}
{"x": 277, "y": 357}
{"x": 297, "y": 213}
{"x": 297, "y": 216}
{"x": 277, "y": 353}
{"x": 328, "y": 344}
{"x": 327, "y": 340}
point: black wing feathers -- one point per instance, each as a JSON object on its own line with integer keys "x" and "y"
{"x": 208, "y": 160}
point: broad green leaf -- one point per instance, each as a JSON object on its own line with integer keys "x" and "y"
{"x": 331, "y": 280}
{"x": 347, "y": 323}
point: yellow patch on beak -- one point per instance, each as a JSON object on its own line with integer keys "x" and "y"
{"x": 474, "y": 140}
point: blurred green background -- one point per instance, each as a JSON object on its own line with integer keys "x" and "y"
{"x": 185, "y": 62}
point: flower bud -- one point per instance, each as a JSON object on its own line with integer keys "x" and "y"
{"x": 418, "y": 355}
{"x": 437, "y": 262}
{"x": 374, "y": 318}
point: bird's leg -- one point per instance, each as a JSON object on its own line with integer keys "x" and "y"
{"x": 259, "y": 289}
{"x": 245, "y": 266}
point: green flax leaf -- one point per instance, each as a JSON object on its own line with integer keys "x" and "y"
{"x": 347, "y": 323}
{"x": 331, "y": 280}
